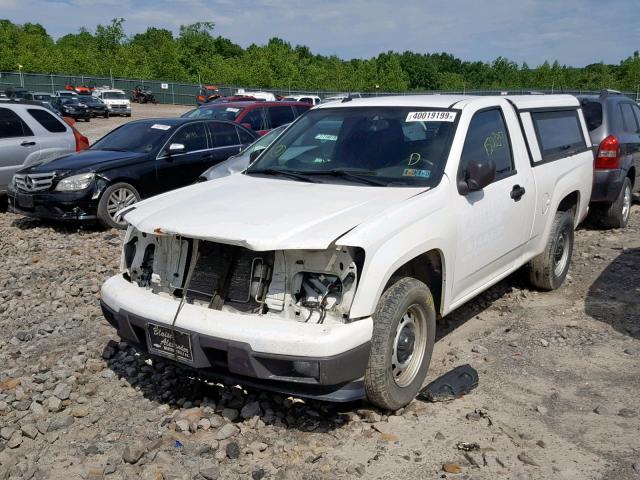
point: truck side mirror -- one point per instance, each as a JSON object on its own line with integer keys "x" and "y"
{"x": 477, "y": 175}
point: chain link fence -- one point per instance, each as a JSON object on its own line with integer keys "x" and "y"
{"x": 185, "y": 93}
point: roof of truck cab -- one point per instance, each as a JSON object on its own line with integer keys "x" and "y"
{"x": 522, "y": 102}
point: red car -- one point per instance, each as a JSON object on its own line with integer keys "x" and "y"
{"x": 258, "y": 116}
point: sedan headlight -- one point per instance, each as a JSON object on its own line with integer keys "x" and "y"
{"x": 75, "y": 182}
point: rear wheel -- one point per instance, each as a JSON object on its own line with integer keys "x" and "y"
{"x": 617, "y": 214}
{"x": 404, "y": 326}
{"x": 114, "y": 198}
{"x": 548, "y": 270}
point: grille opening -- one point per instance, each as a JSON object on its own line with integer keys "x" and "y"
{"x": 230, "y": 275}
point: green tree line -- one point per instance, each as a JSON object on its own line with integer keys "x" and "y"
{"x": 197, "y": 54}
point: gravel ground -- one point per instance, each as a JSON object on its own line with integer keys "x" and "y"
{"x": 98, "y": 127}
{"x": 557, "y": 398}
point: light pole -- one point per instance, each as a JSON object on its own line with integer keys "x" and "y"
{"x": 20, "y": 75}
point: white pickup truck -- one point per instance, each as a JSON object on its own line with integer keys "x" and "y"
{"x": 321, "y": 270}
{"x": 115, "y": 100}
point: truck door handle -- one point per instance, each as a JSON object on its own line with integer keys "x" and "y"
{"x": 517, "y": 192}
{"x": 27, "y": 144}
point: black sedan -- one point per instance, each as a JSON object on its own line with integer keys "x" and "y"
{"x": 97, "y": 107}
{"x": 137, "y": 160}
{"x": 71, "y": 107}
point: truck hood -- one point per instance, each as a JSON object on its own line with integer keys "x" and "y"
{"x": 264, "y": 213}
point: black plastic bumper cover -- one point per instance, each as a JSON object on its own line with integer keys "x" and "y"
{"x": 338, "y": 379}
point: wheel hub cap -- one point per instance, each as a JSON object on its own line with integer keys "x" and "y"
{"x": 409, "y": 346}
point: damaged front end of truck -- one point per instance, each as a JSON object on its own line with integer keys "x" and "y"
{"x": 278, "y": 318}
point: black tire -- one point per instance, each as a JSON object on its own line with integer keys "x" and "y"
{"x": 106, "y": 115}
{"x": 105, "y": 208}
{"x": 617, "y": 214}
{"x": 385, "y": 388}
{"x": 548, "y": 270}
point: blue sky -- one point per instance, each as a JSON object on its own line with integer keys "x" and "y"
{"x": 575, "y": 32}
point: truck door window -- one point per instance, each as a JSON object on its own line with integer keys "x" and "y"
{"x": 559, "y": 133}
{"x": 11, "y": 125}
{"x": 488, "y": 138}
{"x": 629, "y": 120}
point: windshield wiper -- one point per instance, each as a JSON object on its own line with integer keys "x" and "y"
{"x": 285, "y": 173}
{"x": 357, "y": 175}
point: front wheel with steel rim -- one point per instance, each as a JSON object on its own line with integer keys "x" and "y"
{"x": 617, "y": 214}
{"x": 548, "y": 270}
{"x": 402, "y": 341}
{"x": 114, "y": 198}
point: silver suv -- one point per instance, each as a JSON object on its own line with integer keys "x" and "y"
{"x": 30, "y": 133}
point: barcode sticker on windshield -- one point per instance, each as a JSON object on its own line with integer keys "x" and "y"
{"x": 234, "y": 110}
{"x": 431, "y": 116}
{"x": 159, "y": 126}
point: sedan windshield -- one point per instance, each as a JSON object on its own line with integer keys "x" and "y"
{"x": 396, "y": 146}
{"x": 220, "y": 112}
{"x": 114, "y": 96}
{"x": 142, "y": 137}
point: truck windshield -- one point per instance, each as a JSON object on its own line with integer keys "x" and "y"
{"x": 220, "y": 112}
{"x": 114, "y": 96}
{"x": 394, "y": 146}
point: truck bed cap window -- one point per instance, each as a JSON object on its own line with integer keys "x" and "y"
{"x": 559, "y": 133}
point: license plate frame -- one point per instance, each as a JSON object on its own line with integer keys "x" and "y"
{"x": 160, "y": 340}
{"x": 24, "y": 201}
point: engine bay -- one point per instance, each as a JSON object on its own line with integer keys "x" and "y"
{"x": 313, "y": 286}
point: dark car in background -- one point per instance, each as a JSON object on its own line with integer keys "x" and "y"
{"x": 97, "y": 108}
{"x": 258, "y": 116}
{"x": 71, "y": 107}
{"x": 240, "y": 162}
{"x": 613, "y": 121}
{"x": 137, "y": 160}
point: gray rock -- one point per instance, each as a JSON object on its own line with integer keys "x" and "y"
{"x": 230, "y": 414}
{"x": 636, "y": 467}
{"x": 182, "y": 425}
{"x": 7, "y": 432}
{"x": 543, "y": 342}
{"x": 258, "y": 474}
{"x": 226, "y": 431}
{"x": 30, "y": 431}
{"x": 15, "y": 441}
{"x": 479, "y": 349}
{"x": 22, "y": 405}
{"x": 370, "y": 416}
{"x": 627, "y": 413}
{"x": 542, "y": 410}
{"x": 62, "y": 391}
{"x": 133, "y": 453}
{"x": 250, "y": 410}
{"x": 600, "y": 410}
{"x": 58, "y": 423}
{"x": 233, "y": 450}
{"x": 211, "y": 472}
{"x": 525, "y": 458}
{"x": 54, "y": 404}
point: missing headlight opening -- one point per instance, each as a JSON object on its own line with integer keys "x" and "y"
{"x": 314, "y": 286}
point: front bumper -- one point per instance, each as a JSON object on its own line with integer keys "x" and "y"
{"x": 607, "y": 185}
{"x": 256, "y": 350}
{"x": 61, "y": 206}
{"x": 119, "y": 110}
{"x": 78, "y": 115}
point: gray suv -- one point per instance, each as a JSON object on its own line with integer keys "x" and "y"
{"x": 613, "y": 121}
{"x": 30, "y": 133}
